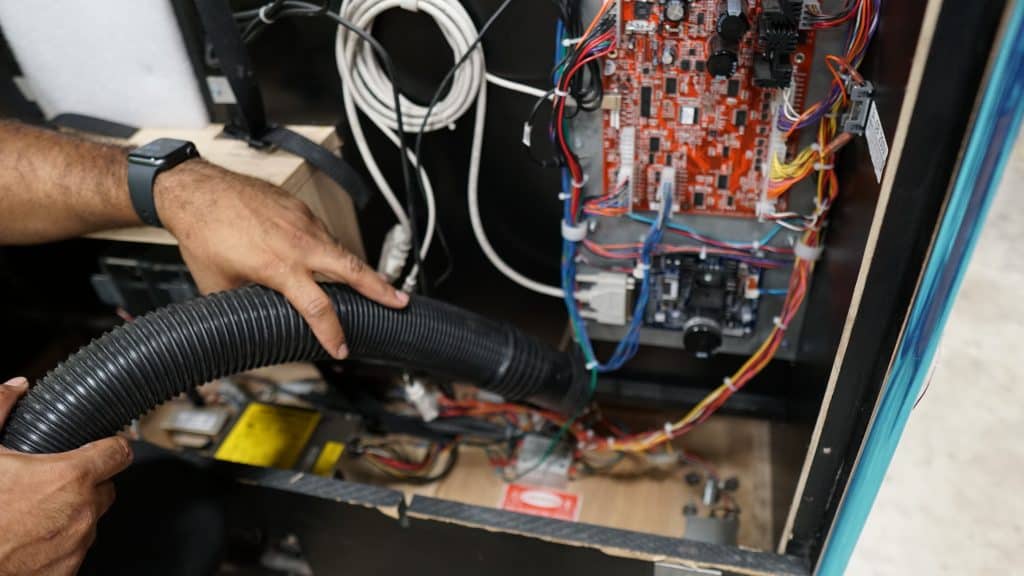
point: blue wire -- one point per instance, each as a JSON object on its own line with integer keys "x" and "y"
{"x": 768, "y": 237}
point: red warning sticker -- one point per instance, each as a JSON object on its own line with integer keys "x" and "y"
{"x": 541, "y": 502}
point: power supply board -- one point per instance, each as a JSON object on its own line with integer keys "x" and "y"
{"x": 691, "y": 86}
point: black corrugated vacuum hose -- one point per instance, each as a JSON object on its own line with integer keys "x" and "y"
{"x": 137, "y": 366}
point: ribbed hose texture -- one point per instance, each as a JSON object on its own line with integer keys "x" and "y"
{"x": 135, "y": 367}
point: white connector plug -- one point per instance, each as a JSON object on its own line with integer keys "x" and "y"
{"x": 395, "y": 252}
{"x": 424, "y": 402}
{"x": 605, "y": 297}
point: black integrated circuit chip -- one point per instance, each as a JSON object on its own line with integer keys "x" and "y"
{"x": 741, "y": 118}
{"x": 698, "y": 199}
{"x": 671, "y": 86}
{"x": 645, "y": 101}
{"x": 699, "y": 66}
{"x": 655, "y": 144}
{"x": 642, "y": 10}
{"x": 723, "y": 181}
{"x": 685, "y": 65}
{"x": 733, "y": 88}
{"x": 725, "y": 152}
{"x": 700, "y": 19}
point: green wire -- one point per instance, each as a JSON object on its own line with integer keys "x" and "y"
{"x": 561, "y": 432}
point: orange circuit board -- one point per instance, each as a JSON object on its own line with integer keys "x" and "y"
{"x": 664, "y": 101}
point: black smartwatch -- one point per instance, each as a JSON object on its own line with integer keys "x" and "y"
{"x": 143, "y": 166}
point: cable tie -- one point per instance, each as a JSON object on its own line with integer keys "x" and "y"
{"x": 591, "y": 365}
{"x": 581, "y": 183}
{"x": 611, "y": 441}
{"x": 777, "y": 321}
{"x": 570, "y": 42}
{"x": 263, "y": 14}
{"x": 563, "y": 196}
{"x": 410, "y": 5}
{"x": 668, "y": 429}
{"x": 703, "y": 252}
{"x": 815, "y": 147}
{"x": 640, "y": 271}
{"x": 809, "y": 253}
{"x": 823, "y": 167}
{"x": 728, "y": 384}
{"x": 574, "y": 233}
{"x": 560, "y": 93}
{"x": 755, "y": 245}
{"x": 527, "y": 132}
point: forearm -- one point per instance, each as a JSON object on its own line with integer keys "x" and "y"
{"x": 54, "y": 186}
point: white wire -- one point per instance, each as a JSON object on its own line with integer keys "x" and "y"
{"x": 518, "y": 87}
{"x": 367, "y": 89}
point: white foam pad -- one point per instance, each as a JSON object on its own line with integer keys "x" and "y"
{"x": 120, "y": 60}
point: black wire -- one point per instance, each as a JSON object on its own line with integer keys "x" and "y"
{"x": 444, "y": 86}
{"x": 288, "y": 8}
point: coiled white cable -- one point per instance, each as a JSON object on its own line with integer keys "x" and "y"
{"x": 367, "y": 88}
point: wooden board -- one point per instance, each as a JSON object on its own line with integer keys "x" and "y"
{"x": 325, "y": 198}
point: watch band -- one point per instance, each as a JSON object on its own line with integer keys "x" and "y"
{"x": 140, "y": 188}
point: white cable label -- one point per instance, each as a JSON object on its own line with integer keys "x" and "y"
{"x": 877, "y": 145}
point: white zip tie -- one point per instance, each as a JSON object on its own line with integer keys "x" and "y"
{"x": 822, "y": 167}
{"x": 574, "y": 233}
{"x": 581, "y": 183}
{"x": 778, "y": 324}
{"x": 569, "y": 42}
{"x": 563, "y": 196}
{"x": 809, "y": 253}
{"x": 410, "y": 5}
{"x": 611, "y": 441}
{"x": 560, "y": 93}
{"x": 263, "y": 14}
{"x": 591, "y": 365}
{"x": 527, "y": 132}
{"x": 703, "y": 252}
{"x": 728, "y": 384}
{"x": 668, "y": 429}
{"x": 641, "y": 270}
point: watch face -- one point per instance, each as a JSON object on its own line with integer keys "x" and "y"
{"x": 164, "y": 150}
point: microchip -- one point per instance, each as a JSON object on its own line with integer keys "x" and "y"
{"x": 759, "y": 142}
{"x": 642, "y": 10}
{"x": 688, "y": 115}
{"x": 733, "y": 88}
{"x": 699, "y": 66}
{"x": 655, "y": 144}
{"x": 671, "y": 86}
{"x": 645, "y": 70}
{"x": 650, "y": 158}
{"x": 698, "y": 199}
{"x": 741, "y": 118}
{"x": 723, "y": 182}
{"x": 645, "y": 101}
{"x": 700, "y": 19}
{"x": 730, "y": 201}
{"x": 725, "y": 152}
{"x": 668, "y": 159}
{"x": 713, "y": 133}
{"x": 693, "y": 51}
{"x": 762, "y": 130}
{"x": 685, "y": 65}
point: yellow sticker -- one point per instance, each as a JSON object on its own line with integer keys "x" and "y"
{"x": 267, "y": 435}
{"x": 328, "y": 458}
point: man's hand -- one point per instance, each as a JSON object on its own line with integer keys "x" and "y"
{"x": 49, "y": 504}
{"x": 234, "y": 229}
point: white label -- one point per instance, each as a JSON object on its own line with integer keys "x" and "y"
{"x": 220, "y": 90}
{"x": 877, "y": 145}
